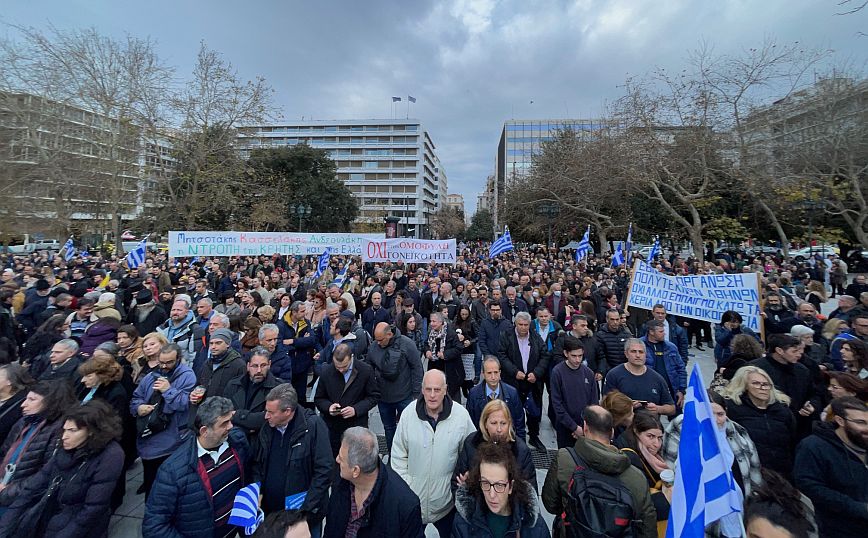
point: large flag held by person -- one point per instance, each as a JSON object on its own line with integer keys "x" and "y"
{"x": 136, "y": 257}
{"x": 323, "y": 263}
{"x": 70, "y": 249}
{"x": 618, "y": 258}
{"x": 245, "y": 510}
{"x": 584, "y": 245}
{"x": 501, "y": 244}
{"x": 342, "y": 276}
{"x": 655, "y": 250}
{"x": 705, "y": 490}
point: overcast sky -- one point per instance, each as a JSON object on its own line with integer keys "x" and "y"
{"x": 471, "y": 64}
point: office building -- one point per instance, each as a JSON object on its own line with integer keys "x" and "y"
{"x": 390, "y": 166}
{"x": 455, "y": 201}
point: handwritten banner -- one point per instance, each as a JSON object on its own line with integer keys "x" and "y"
{"x": 409, "y": 250}
{"x": 229, "y": 243}
{"x": 704, "y": 297}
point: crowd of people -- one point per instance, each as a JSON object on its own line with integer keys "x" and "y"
{"x": 225, "y": 372}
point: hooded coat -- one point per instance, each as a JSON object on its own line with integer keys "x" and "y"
{"x": 525, "y": 521}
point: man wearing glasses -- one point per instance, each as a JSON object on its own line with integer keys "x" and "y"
{"x": 832, "y": 470}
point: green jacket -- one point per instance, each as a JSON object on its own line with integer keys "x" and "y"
{"x": 605, "y": 459}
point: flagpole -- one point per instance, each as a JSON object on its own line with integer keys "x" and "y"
{"x": 630, "y": 286}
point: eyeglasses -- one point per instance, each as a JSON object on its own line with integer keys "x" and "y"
{"x": 499, "y": 487}
{"x": 168, "y": 364}
{"x": 861, "y": 423}
{"x": 760, "y": 385}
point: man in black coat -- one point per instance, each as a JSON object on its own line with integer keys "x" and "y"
{"x": 347, "y": 391}
{"x": 390, "y": 503}
{"x": 247, "y": 392}
{"x": 525, "y": 359}
{"x": 610, "y": 342}
{"x": 292, "y": 457}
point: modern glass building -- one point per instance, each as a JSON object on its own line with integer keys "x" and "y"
{"x": 390, "y": 166}
{"x": 520, "y": 140}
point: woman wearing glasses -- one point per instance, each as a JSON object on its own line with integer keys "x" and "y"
{"x": 495, "y": 501}
{"x": 763, "y": 411}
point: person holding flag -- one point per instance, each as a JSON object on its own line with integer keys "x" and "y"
{"x": 584, "y": 245}
{"x": 136, "y": 257}
{"x": 501, "y": 244}
{"x": 618, "y": 258}
{"x": 323, "y": 262}
{"x": 69, "y": 247}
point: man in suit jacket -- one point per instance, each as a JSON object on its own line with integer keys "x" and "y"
{"x": 524, "y": 359}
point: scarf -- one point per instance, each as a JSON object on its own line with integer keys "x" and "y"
{"x": 436, "y": 341}
{"x": 654, "y": 460}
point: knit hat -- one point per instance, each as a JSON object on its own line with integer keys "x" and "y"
{"x": 105, "y": 309}
{"x": 222, "y": 334}
{"x": 800, "y": 330}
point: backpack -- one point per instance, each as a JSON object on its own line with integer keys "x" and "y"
{"x": 598, "y": 505}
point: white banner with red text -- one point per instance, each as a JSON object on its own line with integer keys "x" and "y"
{"x": 409, "y": 250}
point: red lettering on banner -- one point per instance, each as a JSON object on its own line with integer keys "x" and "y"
{"x": 377, "y": 250}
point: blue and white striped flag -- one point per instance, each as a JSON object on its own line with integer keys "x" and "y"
{"x": 70, "y": 249}
{"x": 655, "y": 250}
{"x": 245, "y": 510}
{"x": 342, "y": 276}
{"x": 323, "y": 262}
{"x": 136, "y": 257}
{"x": 629, "y": 247}
{"x": 85, "y": 254}
{"x": 705, "y": 490}
{"x": 501, "y": 244}
{"x": 584, "y": 245}
{"x": 618, "y": 258}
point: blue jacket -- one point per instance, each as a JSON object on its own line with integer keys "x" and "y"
{"x": 677, "y": 335}
{"x": 177, "y": 404}
{"x": 476, "y": 401}
{"x": 676, "y": 373}
{"x": 179, "y": 506}
{"x": 371, "y": 317}
{"x": 295, "y": 358}
{"x": 723, "y": 338}
{"x": 489, "y": 335}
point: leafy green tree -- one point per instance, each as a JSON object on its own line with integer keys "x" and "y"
{"x": 481, "y": 226}
{"x": 302, "y": 174}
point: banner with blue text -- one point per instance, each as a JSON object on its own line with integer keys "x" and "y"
{"x": 704, "y": 297}
{"x": 409, "y": 250}
{"x": 229, "y": 243}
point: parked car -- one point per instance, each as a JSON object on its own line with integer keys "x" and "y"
{"x": 803, "y": 254}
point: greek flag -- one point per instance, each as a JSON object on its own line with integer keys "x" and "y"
{"x": 618, "y": 258}
{"x": 136, "y": 257}
{"x": 323, "y": 263}
{"x": 629, "y": 247}
{"x": 245, "y": 510}
{"x": 411, "y": 98}
{"x": 584, "y": 245}
{"x": 655, "y": 250}
{"x": 294, "y": 502}
{"x": 704, "y": 490}
{"x": 395, "y": 99}
{"x": 70, "y": 249}
{"x": 501, "y": 245}
{"x": 342, "y": 276}
{"x": 85, "y": 254}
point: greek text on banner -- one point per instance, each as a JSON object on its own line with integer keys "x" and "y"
{"x": 410, "y": 250}
{"x": 704, "y": 297}
{"x": 230, "y": 243}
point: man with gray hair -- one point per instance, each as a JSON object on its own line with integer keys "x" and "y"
{"x": 643, "y": 385}
{"x": 293, "y": 459}
{"x": 365, "y": 481}
{"x": 63, "y": 363}
{"x": 196, "y": 486}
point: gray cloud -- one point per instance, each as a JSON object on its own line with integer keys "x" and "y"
{"x": 471, "y": 64}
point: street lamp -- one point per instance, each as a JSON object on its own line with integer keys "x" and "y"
{"x": 549, "y": 210}
{"x": 302, "y": 210}
{"x": 810, "y": 206}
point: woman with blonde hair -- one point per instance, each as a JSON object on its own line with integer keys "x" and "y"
{"x": 816, "y": 294}
{"x": 833, "y": 328}
{"x": 764, "y": 412}
{"x": 495, "y": 426}
{"x": 151, "y": 345}
{"x": 621, "y": 407}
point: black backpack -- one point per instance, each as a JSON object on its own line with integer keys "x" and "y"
{"x": 598, "y": 505}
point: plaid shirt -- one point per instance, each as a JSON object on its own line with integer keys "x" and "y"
{"x": 356, "y": 514}
{"x": 739, "y": 441}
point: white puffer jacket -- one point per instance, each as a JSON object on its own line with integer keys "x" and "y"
{"x": 425, "y": 458}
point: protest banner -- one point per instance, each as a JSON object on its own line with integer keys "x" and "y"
{"x": 231, "y": 243}
{"x": 704, "y": 297}
{"x": 409, "y": 250}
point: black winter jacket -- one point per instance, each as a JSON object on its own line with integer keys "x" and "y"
{"x": 31, "y": 460}
{"x": 231, "y": 366}
{"x": 772, "y": 430}
{"x": 471, "y": 516}
{"x": 520, "y": 450}
{"x": 610, "y": 347}
{"x": 794, "y": 380}
{"x": 179, "y": 506}
{"x": 361, "y": 392}
{"x": 249, "y": 417}
{"x": 83, "y": 496}
{"x": 835, "y": 481}
{"x": 394, "y": 509}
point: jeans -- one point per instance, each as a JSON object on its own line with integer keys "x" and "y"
{"x": 299, "y": 383}
{"x": 149, "y": 472}
{"x": 390, "y": 412}
{"x": 444, "y": 524}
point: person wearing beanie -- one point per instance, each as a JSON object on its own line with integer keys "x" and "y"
{"x": 105, "y": 322}
{"x": 146, "y": 315}
{"x": 222, "y": 364}
{"x": 35, "y": 304}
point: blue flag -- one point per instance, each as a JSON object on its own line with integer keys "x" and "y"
{"x": 136, "y": 257}
{"x": 584, "y": 245}
{"x": 70, "y": 249}
{"x": 655, "y": 250}
{"x": 323, "y": 262}
{"x": 342, "y": 276}
{"x": 245, "y": 510}
{"x": 501, "y": 245}
{"x": 704, "y": 490}
{"x": 618, "y": 258}
{"x": 294, "y": 502}
{"x": 85, "y": 254}
{"x": 629, "y": 246}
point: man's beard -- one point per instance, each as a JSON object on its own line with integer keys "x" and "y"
{"x": 855, "y": 438}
